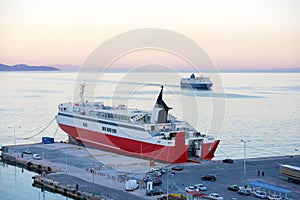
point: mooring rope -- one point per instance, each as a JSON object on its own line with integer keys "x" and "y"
{"x": 219, "y": 149}
{"x": 40, "y": 130}
{"x": 55, "y": 132}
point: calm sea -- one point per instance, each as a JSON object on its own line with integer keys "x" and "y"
{"x": 16, "y": 183}
{"x": 263, "y": 108}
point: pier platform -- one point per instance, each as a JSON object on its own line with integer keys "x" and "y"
{"x": 94, "y": 174}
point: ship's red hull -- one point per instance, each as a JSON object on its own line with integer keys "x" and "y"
{"x": 156, "y": 152}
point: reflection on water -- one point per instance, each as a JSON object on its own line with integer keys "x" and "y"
{"x": 16, "y": 183}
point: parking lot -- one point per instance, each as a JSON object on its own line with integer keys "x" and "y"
{"x": 229, "y": 174}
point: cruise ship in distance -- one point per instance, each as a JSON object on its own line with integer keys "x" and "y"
{"x": 199, "y": 82}
{"x": 154, "y": 135}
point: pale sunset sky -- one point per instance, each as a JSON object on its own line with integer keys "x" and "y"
{"x": 236, "y": 34}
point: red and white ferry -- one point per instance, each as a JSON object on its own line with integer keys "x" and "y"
{"x": 154, "y": 135}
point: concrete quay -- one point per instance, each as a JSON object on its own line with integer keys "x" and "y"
{"x": 100, "y": 174}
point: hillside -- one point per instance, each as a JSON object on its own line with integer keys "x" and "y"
{"x": 23, "y": 67}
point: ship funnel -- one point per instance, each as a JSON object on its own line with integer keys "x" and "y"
{"x": 160, "y": 111}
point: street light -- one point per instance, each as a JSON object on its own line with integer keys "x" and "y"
{"x": 14, "y": 127}
{"x": 66, "y": 162}
{"x": 245, "y": 157}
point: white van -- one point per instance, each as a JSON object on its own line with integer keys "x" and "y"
{"x": 131, "y": 185}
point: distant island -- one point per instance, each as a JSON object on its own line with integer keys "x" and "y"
{"x": 23, "y": 67}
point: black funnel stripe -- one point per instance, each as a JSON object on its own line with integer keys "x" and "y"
{"x": 160, "y": 102}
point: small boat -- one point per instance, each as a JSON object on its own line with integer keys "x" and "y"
{"x": 199, "y": 82}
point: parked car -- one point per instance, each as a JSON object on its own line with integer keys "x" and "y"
{"x": 228, "y": 160}
{"x": 215, "y": 196}
{"x": 234, "y": 188}
{"x": 156, "y": 168}
{"x": 260, "y": 194}
{"x": 177, "y": 168}
{"x": 36, "y": 156}
{"x": 151, "y": 176}
{"x": 245, "y": 192}
{"x": 155, "y": 181}
{"x": 201, "y": 187}
{"x": 154, "y": 173}
{"x": 131, "y": 185}
{"x": 159, "y": 169}
{"x": 191, "y": 188}
{"x": 274, "y": 197}
{"x": 154, "y": 192}
{"x": 286, "y": 198}
{"x": 27, "y": 151}
{"x": 209, "y": 177}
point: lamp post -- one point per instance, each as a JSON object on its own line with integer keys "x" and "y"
{"x": 245, "y": 141}
{"x": 66, "y": 162}
{"x": 14, "y": 127}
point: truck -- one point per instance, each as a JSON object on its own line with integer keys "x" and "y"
{"x": 131, "y": 185}
{"x": 292, "y": 172}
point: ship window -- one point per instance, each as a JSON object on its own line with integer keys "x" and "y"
{"x": 110, "y": 115}
{"x": 109, "y": 129}
{"x": 148, "y": 119}
{"x": 124, "y": 117}
{"x": 152, "y": 128}
{"x": 84, "y": 124}
{"x": 113, "y": 130}
{"x": 103, "y": 128}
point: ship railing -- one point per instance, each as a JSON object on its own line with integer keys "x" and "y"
{"x": 66, "y": 107}
{"x": 137, "y": 117}
{"x": 168, "y": 127}
{"x": 195, "y": 134}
